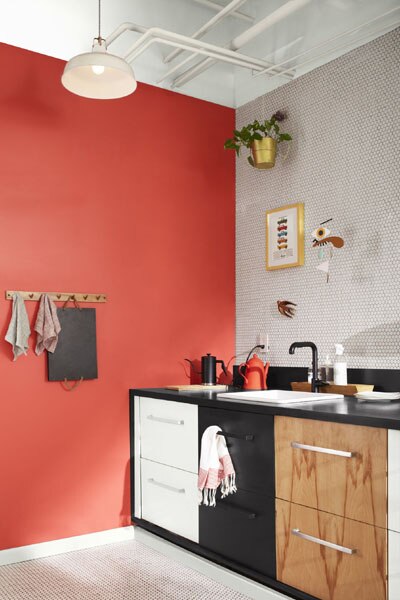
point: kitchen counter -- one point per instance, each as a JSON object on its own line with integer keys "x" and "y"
{"x": 348, "y": 410}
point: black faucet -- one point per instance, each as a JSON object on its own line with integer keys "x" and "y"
{"x": 315, "y": 382}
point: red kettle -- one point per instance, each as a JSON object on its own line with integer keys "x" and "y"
{"x": 255, "y": 374}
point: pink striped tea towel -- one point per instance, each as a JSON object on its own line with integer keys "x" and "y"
{"x": 216, "y": 467}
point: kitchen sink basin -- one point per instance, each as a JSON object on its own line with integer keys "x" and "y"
{"x": 278, "y": 396}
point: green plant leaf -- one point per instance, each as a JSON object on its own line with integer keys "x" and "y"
{"x": 285, "y": 137}
{"x": 251, "y": 161}
{"x": 257, "y": 136}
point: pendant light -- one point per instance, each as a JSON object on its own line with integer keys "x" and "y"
{"x": 97, "y": 74}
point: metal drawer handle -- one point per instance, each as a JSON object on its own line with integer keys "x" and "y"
{"x": 166, "y": 487}
{"x": 311, "y": 538}
{"x": 323, "y": 450}
{"x": 246, "y": 436}
{"x": 163, "y": 420}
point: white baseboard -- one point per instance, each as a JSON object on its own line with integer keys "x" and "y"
{"x": 79, "y": 542}
{"x": 236, "y": 582}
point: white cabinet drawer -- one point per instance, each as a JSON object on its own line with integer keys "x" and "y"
{"x": 394, "y": 566}
{"x": 394, "y": 481}
{"x": 170, "y": 499}
{"x": 169, "y": 433}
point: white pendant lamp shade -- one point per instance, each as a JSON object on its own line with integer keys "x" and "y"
{"x": 99, "y": 75}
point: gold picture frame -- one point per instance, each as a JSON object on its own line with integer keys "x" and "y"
{"x": 285, "y": 237}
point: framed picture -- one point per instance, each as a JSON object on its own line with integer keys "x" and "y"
{"x": 285, "y": 237}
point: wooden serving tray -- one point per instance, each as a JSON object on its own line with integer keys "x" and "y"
{"x": 347, "y": 390}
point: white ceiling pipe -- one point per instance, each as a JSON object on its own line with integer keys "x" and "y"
{"x": 329, "y": 41}
{"x": 190, "y": 44}
{"x": 177, "y": 67}
{"x": 121, "y": 29}
{"x": 280, "y": 13}
{"x": 205, "y": 65}
{"x": 195, "y": 71}
{"x": 360, "y": 41}
{"x": 213, "y": 22}
{"x": 209, "y": 53}
{"x": 284, "y": 48}
{"x": 217, "y": 7}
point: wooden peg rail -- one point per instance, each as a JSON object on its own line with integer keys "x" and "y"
{"x": 58, "y": 296}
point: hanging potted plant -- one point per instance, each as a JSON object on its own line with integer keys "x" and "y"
{"x": 261, "y": 139}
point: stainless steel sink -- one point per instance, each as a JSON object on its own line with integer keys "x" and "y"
{"x": 278, "y": 396}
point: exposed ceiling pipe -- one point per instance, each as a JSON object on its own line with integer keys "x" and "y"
{"x": 204, "y": 64}
{"x": 244, "y": 38}
{"x": 347, "y": 45}
{"x": 284, "y": 48}
{"x": 156, "y": 34}
{"x": 222, "y": 14}
{"x": 233, "y": 60}
{"x": 329, "y": 41}
{"x": 216, "y": 6}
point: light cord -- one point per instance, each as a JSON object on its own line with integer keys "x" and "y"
{"x": 99, "y": 20}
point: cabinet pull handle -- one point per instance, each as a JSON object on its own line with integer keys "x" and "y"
{"x": 323, "y": 450}
{"x": 311, "y": 538}
{"x": 246, "y": 513}
{"x": 164, "y": 420}
{"x": 167, "y": 487}
{"x": 246, "y": 436}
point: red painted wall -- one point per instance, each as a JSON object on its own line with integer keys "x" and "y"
{"x": 133, "y": 198}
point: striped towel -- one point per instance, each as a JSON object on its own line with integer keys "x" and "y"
{"x": 216, "y": 467}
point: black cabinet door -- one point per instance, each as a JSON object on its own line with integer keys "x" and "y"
{"x": 242, "y": 528}
{"x": 250, "y": 441}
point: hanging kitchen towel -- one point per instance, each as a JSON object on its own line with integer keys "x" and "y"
{"x": 18, "y": 331}
{"x": 47, "y": 325}
{"x": 216, "y": 467}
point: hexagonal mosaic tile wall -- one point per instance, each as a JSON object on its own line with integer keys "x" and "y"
{"x": 344, "y": 164}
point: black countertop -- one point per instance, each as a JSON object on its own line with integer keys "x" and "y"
{"x": 348, "y": 410}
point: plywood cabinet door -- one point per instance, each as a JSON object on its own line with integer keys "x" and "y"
{"x": 330, "y": 557}
{"x": 337, "y": 468}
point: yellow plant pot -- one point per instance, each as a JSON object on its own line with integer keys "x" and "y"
{"x": 264, "y": 153}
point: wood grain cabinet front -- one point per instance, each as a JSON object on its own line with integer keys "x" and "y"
{"x": 330, "y": 557}
{"x": 333, "y": 467}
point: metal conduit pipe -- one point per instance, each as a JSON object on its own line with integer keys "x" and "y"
{"x": 206, "y": 64}
{"x": 360, "y": 41}
{"x": 187, "y": 43}
{"x": 222, "y": 14}
{"x": 329, "y": 41}
{"x": 215, "y": 6}
{"x": 280, "y": 13}
{"x": 127, "y": 26}
{"x": 209, "y": 53}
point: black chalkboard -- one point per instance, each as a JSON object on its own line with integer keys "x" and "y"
{"x": 75, "y": 356}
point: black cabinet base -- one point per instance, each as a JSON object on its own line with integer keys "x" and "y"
{"x": 221, "y": 561}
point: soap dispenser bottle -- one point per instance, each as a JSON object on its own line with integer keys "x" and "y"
{"x": 327, "y": 370}
{"x": 340, "y": 366}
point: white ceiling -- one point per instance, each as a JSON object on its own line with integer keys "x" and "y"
{"x": 64, "y": 28}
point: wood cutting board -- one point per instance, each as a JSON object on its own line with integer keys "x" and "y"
{"x": 347, "y": 390}
{"x": 197, "y": 388}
